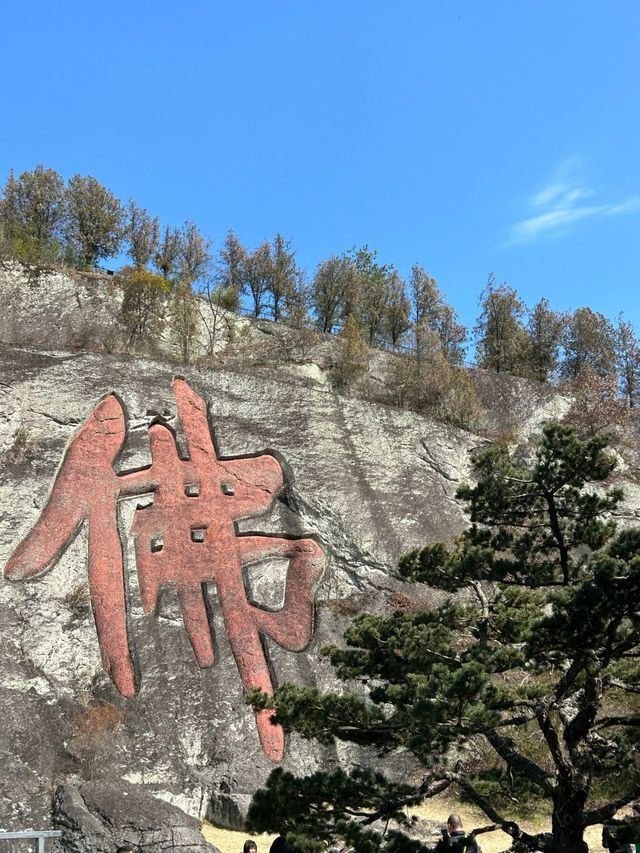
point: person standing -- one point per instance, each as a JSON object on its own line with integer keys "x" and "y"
{"x": 611, "y": 843}
{"x": 454, "y": 838}
{"x": 635, "y": 811}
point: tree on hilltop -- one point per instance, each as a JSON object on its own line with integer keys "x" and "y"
{"x": 367, "y": 302}
{"x": 589, "y": 341}
{"x": 333, "y": 280}
{"x": 141, "y": 233}
{"x": 431, "y": 311}
{"x": 397, "y": 320}
{"x": 501, "y": 340}
{"x": 257, "y": 276}
{"x": 166, "y": 257}
{"x": 628, "y": 361}
{"x": 93, "y": 222}
{"x": 283, "y": 279}
{"x": 231, "y": 270}
{"x": 194, "y": 257}
{"x": 536, "y": 645}
{"x": 32, "y": 212}
{"x": 545, "y": 328}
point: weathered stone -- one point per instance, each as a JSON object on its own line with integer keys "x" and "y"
{"x": 367, "y": 481}
{"x": 99, "y": 817}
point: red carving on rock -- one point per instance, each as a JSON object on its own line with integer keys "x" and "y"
{"x": 186, "y": 538}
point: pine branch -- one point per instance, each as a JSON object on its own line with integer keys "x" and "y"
{"x": 606, "y": 812}
{"x": 624, "y": 720}
{"x": 505, "y": 747}
{"x": 553, "y": 741}
{"x": 610, "y": 681}
{"x": 580, "y": 726}
{"x": 533, "y": 842}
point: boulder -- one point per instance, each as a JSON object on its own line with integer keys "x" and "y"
{"x": 99, "y": 817}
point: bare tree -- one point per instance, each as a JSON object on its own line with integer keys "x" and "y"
{"x": 184, "y": 319}
{"x": 167, "y": 254}
{"x": 431, "y": 309}
{"x": 258, "y": 270}
{"x": 195, "y": 254}
{"x": 217, "y": 301}
{"x": 596, "y": 407}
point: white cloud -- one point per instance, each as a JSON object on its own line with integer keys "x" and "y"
{"x": 560, "y": 194}
{"x": 558, "y": 206}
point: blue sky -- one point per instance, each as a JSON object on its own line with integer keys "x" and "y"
{"x": 470, "y": 137}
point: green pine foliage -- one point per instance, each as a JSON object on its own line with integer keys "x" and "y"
{"x": 539, "y": 636}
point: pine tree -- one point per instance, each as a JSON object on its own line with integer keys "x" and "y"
{"x": 397, "y": 320}
{"x": 283, "y": 277}
{"x": 501, "y": 340}
{"x": 231, "y": 270}
{"x": 368, "y": 301}
{"x": 544, "y": 328}
{"x": 333, "y": 281}
{"x": 588, "y": 341}
{"x": 539, "y": 633}
{"x": 628, "y": 361}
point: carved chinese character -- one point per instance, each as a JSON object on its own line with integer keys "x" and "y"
{"x": 185, "y": 538}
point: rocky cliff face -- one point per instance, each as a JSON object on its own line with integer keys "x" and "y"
{"x": 364, "y": 481}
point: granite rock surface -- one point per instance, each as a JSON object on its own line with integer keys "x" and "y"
{"x": 367, "y": 481}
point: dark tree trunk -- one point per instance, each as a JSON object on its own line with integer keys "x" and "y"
{"x": 567, "y": 821}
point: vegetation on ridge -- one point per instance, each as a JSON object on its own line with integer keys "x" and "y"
{"x": 177, "y": 287}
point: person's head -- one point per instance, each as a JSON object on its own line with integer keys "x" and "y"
{"x": 250, "y": 846}
{"x": 454, "y": 823}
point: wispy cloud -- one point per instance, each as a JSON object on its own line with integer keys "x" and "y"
{"x": 561, "y": 204}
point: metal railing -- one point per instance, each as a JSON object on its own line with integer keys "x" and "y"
{"x": 31, "y": 835}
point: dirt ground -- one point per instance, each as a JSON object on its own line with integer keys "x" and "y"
{"x": 436, "y": 809}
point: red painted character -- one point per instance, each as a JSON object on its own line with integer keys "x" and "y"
{"x": 185, "y": 538}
